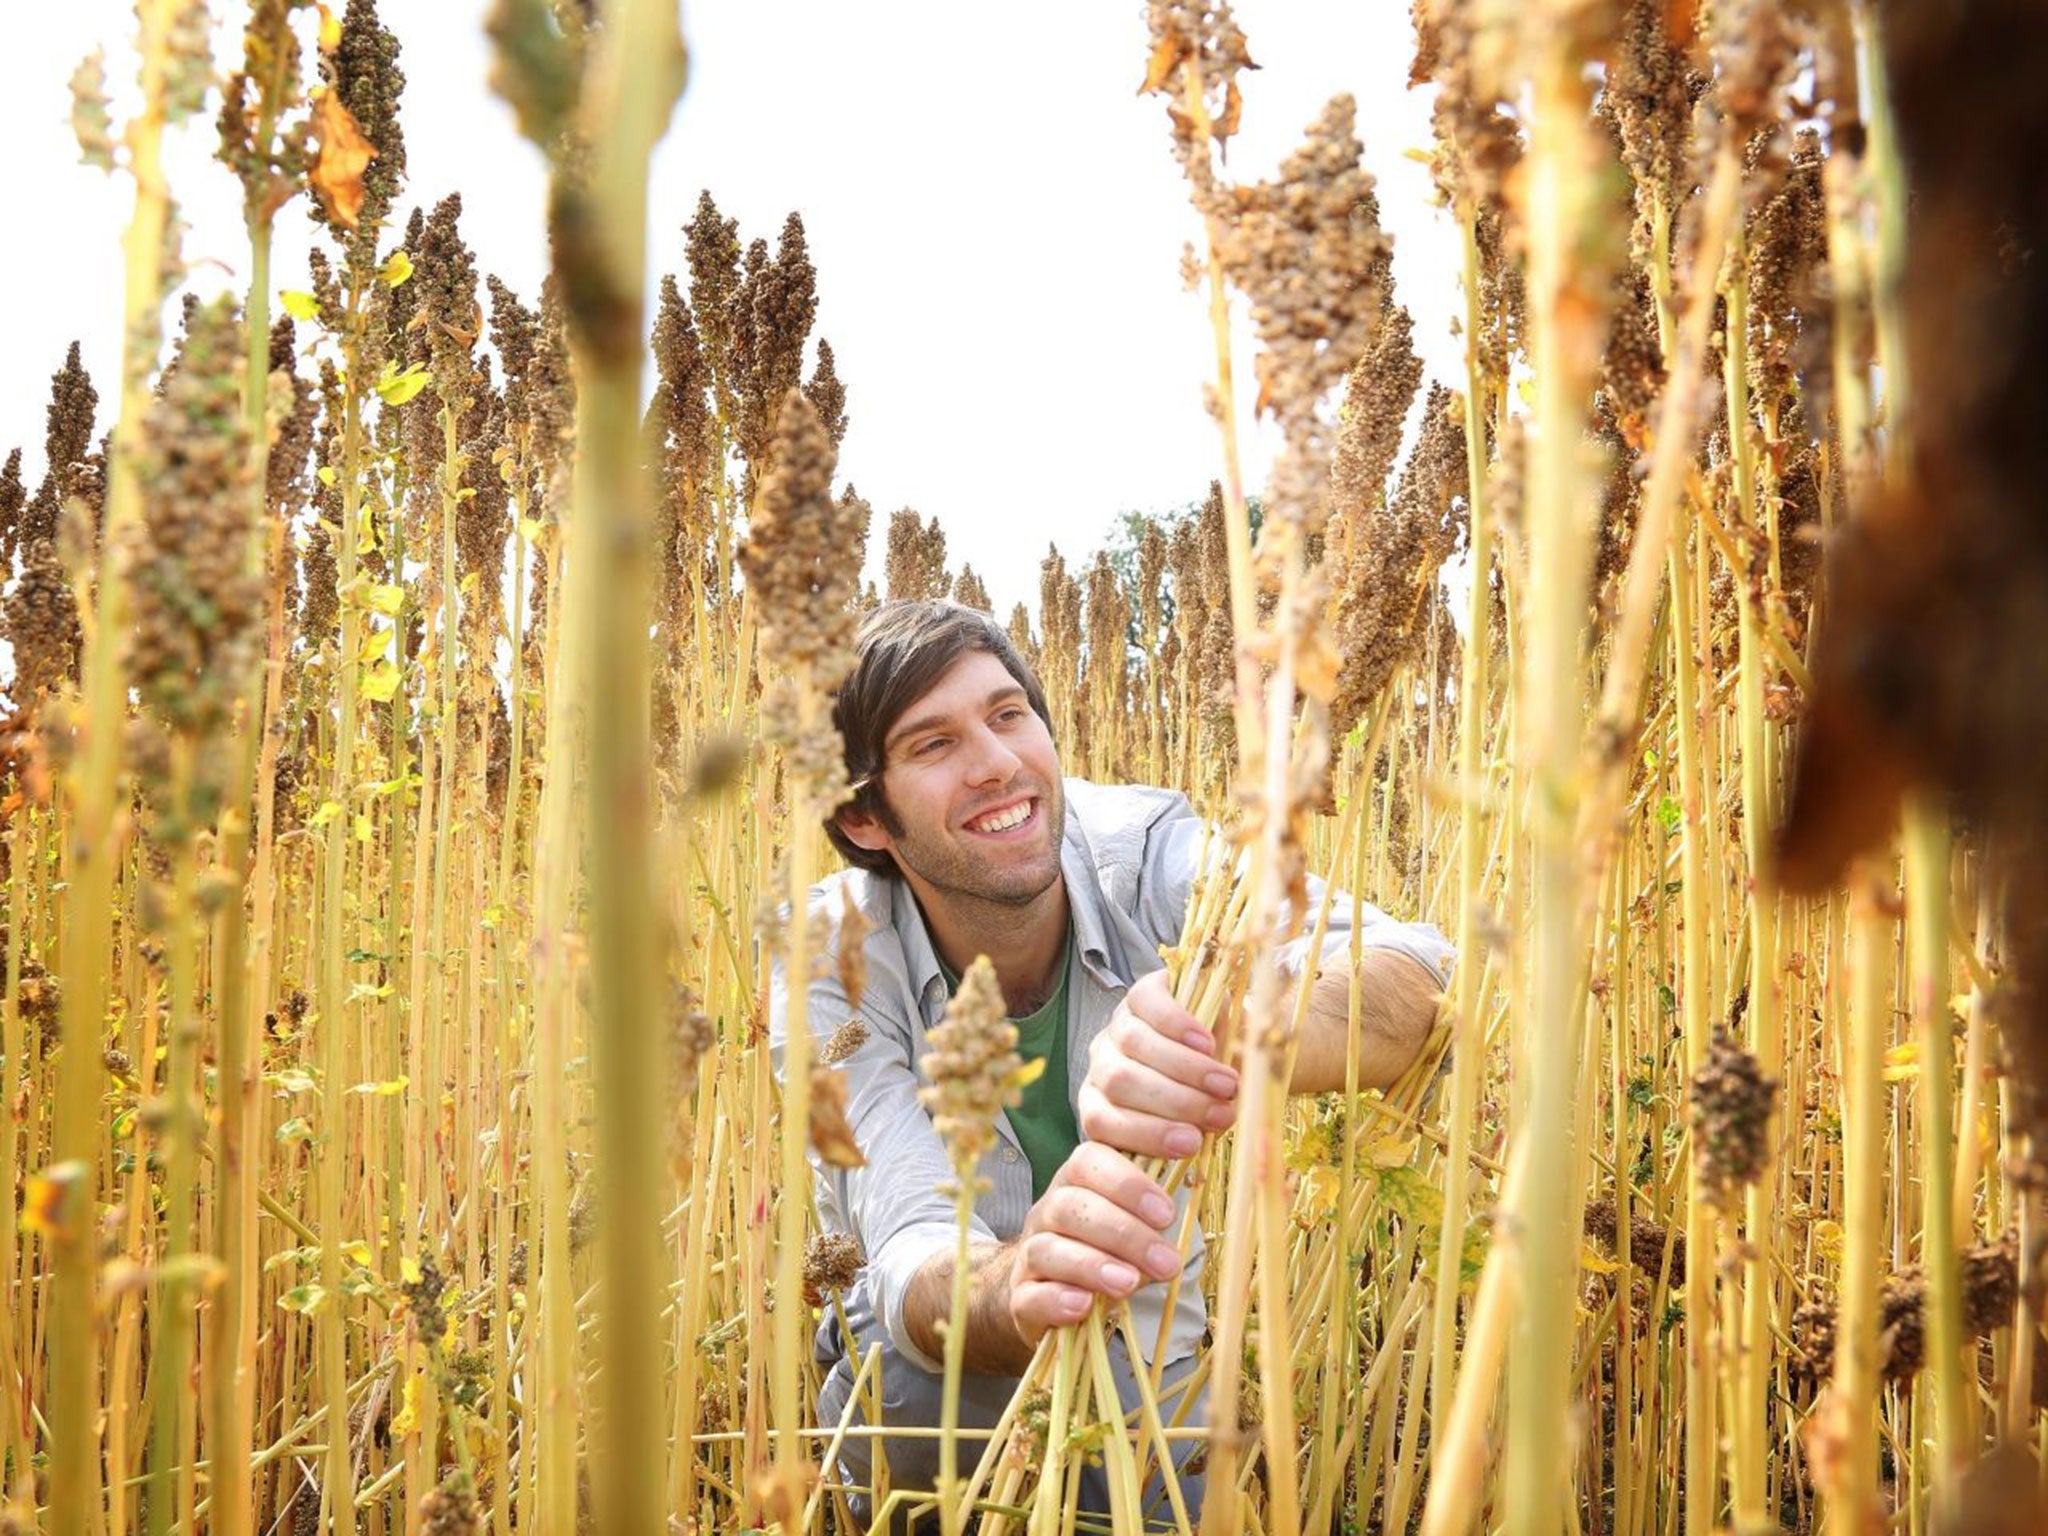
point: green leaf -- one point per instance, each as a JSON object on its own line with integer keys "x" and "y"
{"x": 304, "y": 1298}
{"x": 298, "y": 1128}
{"x": 299, "y": 304}
{"x": 1668, "y": 813}
{"x": 395, "y": 388}
{"x": 292, "y": 1080}
{"x": 396, "y": 269}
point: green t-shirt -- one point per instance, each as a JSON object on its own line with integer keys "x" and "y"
{"x": 1044, "y": 1118}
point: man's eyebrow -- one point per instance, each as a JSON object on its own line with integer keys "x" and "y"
{"x": 939, "y": 717}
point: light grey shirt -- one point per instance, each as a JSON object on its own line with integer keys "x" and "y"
{"x": 1129, "y": 855}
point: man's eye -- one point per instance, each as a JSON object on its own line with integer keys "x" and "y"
{"x": 1009, "y": 716}
{"x": 928, "y": 746}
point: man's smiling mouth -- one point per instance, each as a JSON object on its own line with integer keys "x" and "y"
{"x": 1005, "y": 818}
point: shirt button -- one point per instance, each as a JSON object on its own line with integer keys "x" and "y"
{"x": 1010, "y": 1154}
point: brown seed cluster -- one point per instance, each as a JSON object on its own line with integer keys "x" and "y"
{"x": 969, "y": 591}
{"x": 1731, "y": 1117}
{"x": 198, "y": 603}
{"x": 801, "y": 563}
{"x": 1990, "y": 1287}
{"x": 914, "y": 564}
{"x": 844, "y": 1042}
{"x": 363, "y": 72}
{"x": 451, "y": 1509}
{"x": 1396, "y": 548}
{"x": 832, "y": 1260}
{"x": 971, "y": 1067}
{"x": 1646, "y": 1238}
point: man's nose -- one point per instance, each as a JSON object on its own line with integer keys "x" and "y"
{"x": 992, "y": 761}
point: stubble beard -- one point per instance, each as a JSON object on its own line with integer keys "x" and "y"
{"x": 952, "y": 870}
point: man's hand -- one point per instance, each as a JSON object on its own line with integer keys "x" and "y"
{"x": 1095, "y": 1232}
{"x": 1154, "y": 1084}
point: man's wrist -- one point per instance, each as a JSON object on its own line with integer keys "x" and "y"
{"x": 994, "y": 1346}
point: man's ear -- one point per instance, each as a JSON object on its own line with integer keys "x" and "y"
{"x": 864, "y": 830}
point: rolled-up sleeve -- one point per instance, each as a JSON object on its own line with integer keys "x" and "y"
{"x": 896, "y": 1205}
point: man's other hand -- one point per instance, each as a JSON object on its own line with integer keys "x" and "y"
{"x": 1154, "y": 1085}
{"x": 1095, "y": 1232}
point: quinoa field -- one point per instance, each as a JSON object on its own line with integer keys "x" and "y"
{"x": 419, "y": 726}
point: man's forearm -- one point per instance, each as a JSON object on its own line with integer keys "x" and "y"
{"x": 994, "y": 1347}
{"x": 1398, "y": 1000}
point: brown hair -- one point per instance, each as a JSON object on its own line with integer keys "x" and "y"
{"x": 905, "y": 647}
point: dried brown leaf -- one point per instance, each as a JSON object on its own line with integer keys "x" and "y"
{"x": 337, "y": 173}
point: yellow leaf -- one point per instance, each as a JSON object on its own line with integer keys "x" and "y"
{"x": 380, "y": 682}
{"x": 409, "y": 1271}
{"x": 326, "y": 474}
{"x": 356, "y": 1253}
{"x": 407, "y": 1419}
{"x": 395, "y": 388}
{"x": 379, "y": 598}
{"x": 1827, "y": 1240}
{"x": 329, "y": 809}
{"x": 1390, "y": 1152}
{"x": 1028, "y": 1074}
{"x": 1593, "y": 1263}
{"x": 344, "y": 154}
{"x": 529, "y": 529}
{"x": 1902, "y": 1061}
{"x": 362, "y": 827}
{"x": 330, "y": 28}
{"x": 385, "y": 1090}
{"x": 1317, "y": 1198}
{"x": 396, "y": 269}
{"x": 299, "y": 304}
{"x": 52, "y": 1199}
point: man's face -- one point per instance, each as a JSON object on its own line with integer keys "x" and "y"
{"x": 972, "y": 786}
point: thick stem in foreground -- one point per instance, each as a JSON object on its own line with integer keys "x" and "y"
{"x": 635, "y": 77}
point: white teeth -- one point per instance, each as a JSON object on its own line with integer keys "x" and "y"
{"x": 1005, "y": 820}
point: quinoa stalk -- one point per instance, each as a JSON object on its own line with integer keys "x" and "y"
{"x": 1568, "y": 263}
{"x": 636, "y": 73}
{"x": 97, "y": 829}
{"x": 338, "y": 1482}
{"x": 1474, "y": 697}
{"x": 1751, "y": 1356}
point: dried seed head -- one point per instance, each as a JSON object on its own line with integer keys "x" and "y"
{"x": 197, "y": 604}
{"x": 364, "y": 74}
{"x": 1394, "y": 560}
{"x": 1789, "y": 308}
{"x": 801, "y": 562}
{"x": 713, "y": 248}
{"x": 1308, "y": 253}
{"x": 772, "y": 312}
{"x": 42, "y": 624}
{"x": 845, "y": 1041}
{"x": 451, "y": 1509}
{"x": 970, "y": 592}
{"x": 1022, "y": 637}
{"x": 832, "y": 1260}
{"x": 444, "y": 288}
{"x": 827, "y": 393}
{"x": 1650, "y": 93}
{"x": 915, "y": 563}
{"x": 1731, "y": 1106}
{"x": 972, "y": 1067}
{"x": 1109, "y": 622}
{"x": 13, "y": 498}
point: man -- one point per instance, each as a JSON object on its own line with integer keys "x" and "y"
{"x": 964, "y": 840}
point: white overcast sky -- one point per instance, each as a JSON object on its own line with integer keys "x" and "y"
{"x": 994, "y": 213}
